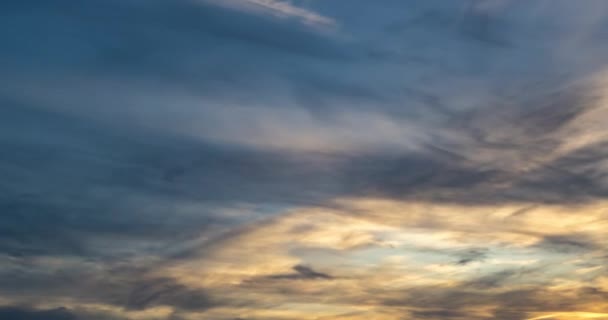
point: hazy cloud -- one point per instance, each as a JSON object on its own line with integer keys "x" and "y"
{"x": 269, "y": 159}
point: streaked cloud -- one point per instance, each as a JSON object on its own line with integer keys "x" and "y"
{"x": 279, "y": 8}
{"x": 266, "y": 159}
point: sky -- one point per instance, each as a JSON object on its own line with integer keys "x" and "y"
{"x": 303, "y": 159}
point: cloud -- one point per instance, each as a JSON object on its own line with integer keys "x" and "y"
{"x": 301, "y": 272}
{"x": 471, "y": 256}
{"x": 17, "y": 313}
{"x": 153, "y": 292}
{"x": 283, "y": 9}
{"x": 254, "y": 159}
{"x": 568, "y": 243}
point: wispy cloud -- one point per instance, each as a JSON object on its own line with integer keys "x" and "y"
{"x": 259, "y": 159}
{"x": 280, "y": 9}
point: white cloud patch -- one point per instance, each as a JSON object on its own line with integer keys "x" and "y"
{"x": 280, "y": 9}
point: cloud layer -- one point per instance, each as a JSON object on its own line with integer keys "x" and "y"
{"x": 268, "y": 159}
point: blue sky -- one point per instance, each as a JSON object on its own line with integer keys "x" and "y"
{"x": 311, "y": 159}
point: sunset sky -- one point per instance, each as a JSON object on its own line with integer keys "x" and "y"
{"x": 303, "y": 159}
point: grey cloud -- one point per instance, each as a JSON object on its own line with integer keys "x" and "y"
{"x": 441, "y": 314}
{"x": 511, "y": 302}
{"x": 494, "y": 280}
{"x": 568, "y": 243}
{"x": 155, "y": 292}
{"x": 70, "y": 173}
{"x": 471, "y": 255}
{"x": 126, "y": 284}
{"x": 19, "y": 313}
{"x": 302, "y": 273}
{"x": 29, "y": 313}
